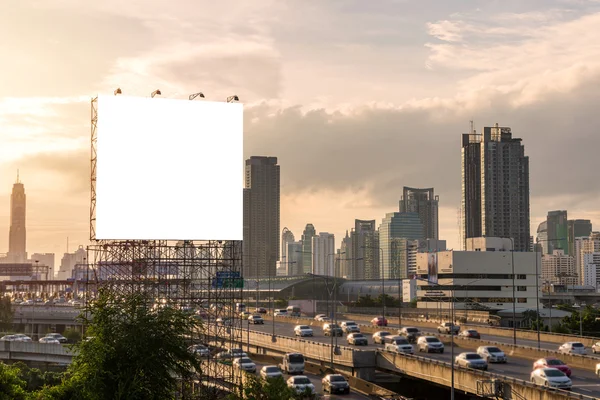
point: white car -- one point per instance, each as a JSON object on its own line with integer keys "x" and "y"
{"x": 492, "y": 354}
{"x": 430, "y": 344}
{"x": 19, "y": 337}
{"x": 49, "y": 340}
{"x": 378, "y": 337}
{"x": 551, "y": 377}
{"x": 58, "y": 337}
{"x": 405, "y": 348}
{"x": 471, "y": 360}
{"x": 200, "y": 350}
{"x": 270, "y": 372}
{"x": 245, "y": 364}
{"x": 9, "y": 338}
{"x": 303, "y": 330}
{"x": 280, "y": 313}
{"x": 350, "y": 327}
{"x": 596, "y": 348}
{"x": 319, "y": 316}
{"x": 301, "y": 384}
{"x": 572, "y": 348}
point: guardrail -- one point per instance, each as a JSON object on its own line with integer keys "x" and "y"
{"x": 466, "y": 379}
{"x": 34, "y": 351}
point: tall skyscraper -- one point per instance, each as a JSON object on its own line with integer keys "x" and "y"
{"x": 261, "y": 217}
{"x": 425, "y": 204}
{"x": 557, "y": 232}
{"x": 307, "y": 249}
{"x": 45, "y": 259}
{"x": 294, "y": 258}
{"x": 17, "y": 246}
{"x": 577, "y": 228}
{"x": 395, "y": 230}
{"x": 323, "y": 254}
{"x": 345, "y": 254}
{"x": 365, "y": 253}
{"x": 542, "y": 237}
{"x": 495, "y": 186}
{"x": 286, "y": 237}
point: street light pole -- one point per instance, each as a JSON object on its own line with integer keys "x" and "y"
{"x": 537, "y": 293}
{"x": 514, "y": 318}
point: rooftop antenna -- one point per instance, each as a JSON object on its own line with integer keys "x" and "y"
{"x": 18, "y": 176}
{"x": 472, "y": 130}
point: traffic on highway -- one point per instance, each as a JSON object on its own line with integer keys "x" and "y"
{"x": 548, "y": 371}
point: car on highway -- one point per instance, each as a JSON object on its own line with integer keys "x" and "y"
{"x": 492, "y": 354}
{"x": 379, "y": 321}
{"x": 270, "y": 372}
{"x": 430, "y": 344}
{"x": 301, "y": 384}
{"x": 397, "y": 347}
{"x": 245, "y": 364}
{"x": 58, "y": 337}
{"x": 9, "y": 338}
{"x": 470, "y": 333}
{"x": 48, "y": 340}
{"x": 551, "y": 377}
{"x": 471, "y": 360}
{"x": 551, "y": 362}
{"x": 357, "y": 339}
{"x": 448, "y": 327}
{"x": 28, "y": 302}
{"x": 280, "y": 313}
{"x": 303, "y": 330}
{"x": 395, "y": 339}
{"x": 199, "y": 349}
{"x": 292, "y": 363}
{"x": 378, "y": 337}
{"x": 245, "y": 314}
{"x": 350, "y": 327}
{"x": 20, "y": 337}
{"x": 335, "y": 383}
{"x": 256, "y": 319}
{"x": 411, "y": 333}
{"x": 228, "y": 355}
{"x": 596, "y": 348}
{"x": 597, "y": 370}
{"x": 260, "y": 310}
{"x": 332, "y": 329}
{"x": 572, "y": 348}
{"x": 319, "y": 316}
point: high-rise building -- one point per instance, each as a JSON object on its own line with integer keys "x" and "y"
{"x": 261, "y": 216}
{"x": 425, "y": 204}
{"x": 323, "y": 246}
{"x": 344, "y": 257}
{"x": 395, "y": 229}
{"x": 559, "y": 268}
{"x": 542, "y": 237}
{"x": 294, "y": 258}
{"x": 307, "y": 250}
{"x": 365, "y": 253}
{"x": 69, "y": 261}
{"x": 45, "y": 259}
{"x": 587, "y": 259}
{"x": 557, "y": 231}
{"x": 577, "y": 228}
{"x": 17, "y": 246}
{"x": 286, "y": 237}
{"x": 495, "y": 186}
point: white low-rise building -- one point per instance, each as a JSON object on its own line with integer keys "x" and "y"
{"x": 478, "y": 279}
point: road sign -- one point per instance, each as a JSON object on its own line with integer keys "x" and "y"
{"x": 228, "y": 279}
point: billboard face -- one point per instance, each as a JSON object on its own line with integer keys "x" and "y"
{"x": 169, "y": 169}
{"x": 432, "y": 268}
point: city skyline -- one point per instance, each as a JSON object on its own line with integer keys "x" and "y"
{"x": 394, "y": 99}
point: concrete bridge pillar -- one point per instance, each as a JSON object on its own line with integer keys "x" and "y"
{"x": 367, "y": 373}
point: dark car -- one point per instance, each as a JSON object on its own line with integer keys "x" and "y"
{"x": 332, "y": 330}
{"x": 335, "y": 383}
{"x": 410, "y": 333}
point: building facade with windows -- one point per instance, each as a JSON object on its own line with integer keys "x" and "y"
{"x": 477, "y": 280}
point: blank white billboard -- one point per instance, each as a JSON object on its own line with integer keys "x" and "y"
{"x": 169, "y": 169}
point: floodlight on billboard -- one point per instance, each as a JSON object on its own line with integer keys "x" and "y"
{"x": 168, "y": 169}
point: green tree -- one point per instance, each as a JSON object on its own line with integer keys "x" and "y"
{"x": 6, "y": 314}
{"x": 413, "y": 303}
{"x": 135, "y": 352}
{"x": 11, "y": 386}
{"x": 365, "y": 301}
{"x": 258, "y": 389}
{"x": 73, "y": 335}
{"x": 281, "y": 303}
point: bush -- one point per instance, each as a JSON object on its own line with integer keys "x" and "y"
{"x": 72, "y": 335}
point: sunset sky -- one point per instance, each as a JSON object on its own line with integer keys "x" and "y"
{"x": 356, "y": 98}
